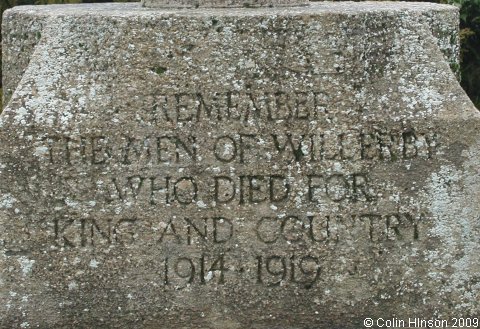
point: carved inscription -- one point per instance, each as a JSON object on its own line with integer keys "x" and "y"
{"x": 242, "y": 107}
{"x": 307, "y": 229}
{"x": 269, "y": 270}
{"x": 239, "y": 190}
{"x": 303, "y": 193}
{"x": 241, "y": 148}
{"x": 320, "y": 233}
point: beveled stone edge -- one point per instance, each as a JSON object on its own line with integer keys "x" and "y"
{"x": 222, "y": 3}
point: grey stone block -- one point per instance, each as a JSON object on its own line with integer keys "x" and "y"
{"x": 300, "y": 167}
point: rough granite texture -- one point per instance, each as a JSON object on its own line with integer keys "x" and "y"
{"x": 302, "y": 167}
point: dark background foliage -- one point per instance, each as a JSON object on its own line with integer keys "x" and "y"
{"x": 469, "y": 36}
{"x": 470, "y": 39}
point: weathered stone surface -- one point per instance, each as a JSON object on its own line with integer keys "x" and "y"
{"x": 245, "y": 168}
{"x": 221, "y": 3}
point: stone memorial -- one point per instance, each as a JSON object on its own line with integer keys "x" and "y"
{"x": 275, "y": 164}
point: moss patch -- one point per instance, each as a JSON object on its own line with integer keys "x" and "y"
{"x": 159, "y": 70}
